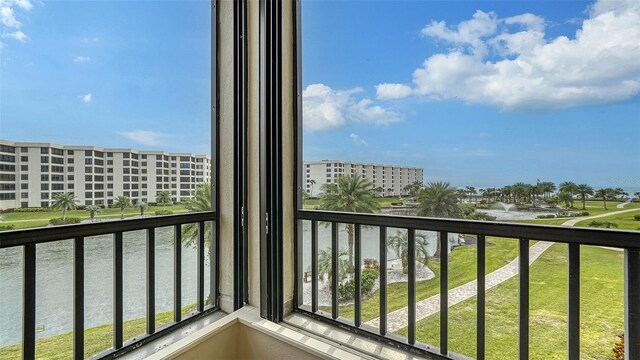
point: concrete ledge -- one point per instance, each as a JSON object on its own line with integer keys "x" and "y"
{"x": 243, "y": 334}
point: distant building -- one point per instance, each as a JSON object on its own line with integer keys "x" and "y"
{"x": 31, "y": 174}
{"x": 391, "y": 179}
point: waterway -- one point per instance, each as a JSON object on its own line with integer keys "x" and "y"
{"x": 54, "y": 282}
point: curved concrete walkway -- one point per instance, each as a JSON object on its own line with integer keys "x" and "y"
{"x": 621, "y": 206}
{"x": 397, "y": 320}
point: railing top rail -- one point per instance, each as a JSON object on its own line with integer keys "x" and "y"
{"x": 22, "y": 237}
{"x": 561, "y": 234}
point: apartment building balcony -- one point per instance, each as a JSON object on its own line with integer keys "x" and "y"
{"x": 251, "y": 250}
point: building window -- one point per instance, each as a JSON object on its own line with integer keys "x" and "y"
{"x": 44, "y": 150}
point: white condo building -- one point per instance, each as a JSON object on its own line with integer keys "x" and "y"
{"x": 31, "y": 174}
{"x": 391, "y": 179}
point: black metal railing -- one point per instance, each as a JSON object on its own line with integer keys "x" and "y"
{"x": 574, "y": 237}
{"x": 29, "y": 239}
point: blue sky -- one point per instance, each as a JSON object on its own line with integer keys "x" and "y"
{"x": 480, "y": 133}
{"x": 130, "y": 74}
{"x": 476, "y": 92}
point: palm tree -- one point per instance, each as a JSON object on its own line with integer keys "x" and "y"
{"x": 583, "y": 190}
{"x": 351, "y": 193}
{"x": 142, "y": 206}
{"x": 637, "y": 194}
{"x": 164, "y": 198}
{"x": 311, "y": 182}
{"x": 605, "y": 194}
{"x": 461, "y": 194}
{"x": 324, "y": 264}
{"x": 570, "y": 188}
{"x": 400, "y": 244}
{"x": 566, "y": 197}
{"x": 200, "y": 202}
{"x": 505, "y": 194}
{"x": 93, "y": 210}
{"x": 122, "y": 202}
{"x": 471, "y": 190}
{"x": 64, "y": 202}
{"x": 379, "y": 190}
{"x": 438, "y": 199}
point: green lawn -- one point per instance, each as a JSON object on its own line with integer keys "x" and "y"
{"x": 601, "y": 310}
{"x": 383, "y": 202}
{"x": 624, "y": 221}
{"x": 96, "y": 339}
{"x": 462, "y": 269}
{"x": 24, "y": 220}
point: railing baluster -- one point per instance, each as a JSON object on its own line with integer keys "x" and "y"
{"x": 444, "y": 292}
{"x": 632, "y": 304}
{"x": 357, "y": 259}
{"x": 177, "y": 274}
{"x": 117, "y": 291}
{"x": 78, "y": 298}
{"x": 573, "y": 326}
{"x": 411, "y": 259}
{"x": 383, "y": 280}
{"x": 335, "y": 312}
{"x": 481, "y": 260}
{"x": 314, "y": 266}
{"x": 213, "y": 266}
{"x": 200, "y": 277}
{"x": 151, "y": 280}
{"x": 29, "y": 303}
{"x": 523, "y": 303}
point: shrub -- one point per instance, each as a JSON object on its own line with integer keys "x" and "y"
{"x": 347, "y": 290}
{"x": 6, "y": 227}
{"x": 618, "y": 348}
{"x": 369, "y": 277}
{"x": 547, "y": 216}
{"x": 371, "y": 264}
{"x": 33, "y": 210}
{"x": 636, "y": 217}
{"x": 69, "y": 220}
{"x": 584, "y": 213}
{"x": 164, "y": 212}
{"x": 603, "y": 224}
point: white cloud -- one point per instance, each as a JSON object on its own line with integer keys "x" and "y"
{"x": 599, "y": 64}
{"x": 145, "y": 137}
{"x": 23, "y": 4}
{"x": 325, "y": 109}
{"x": 17, "y": 35}
{"x": 9, "y": 18}
{"x": 468, "y": 33}
{"x": 86, "y": 98}
{"x": 392, "y": 91}
{"x": 528, "y": 21}
{"x": 81, "y": 59}
{"x": 357, "y": 139}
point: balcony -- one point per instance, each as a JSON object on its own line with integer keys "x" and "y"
{"x": 308, "y": 315}
{"x": 261, "y": 263}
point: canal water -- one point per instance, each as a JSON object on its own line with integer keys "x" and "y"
{"x": 54, "y": 310}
